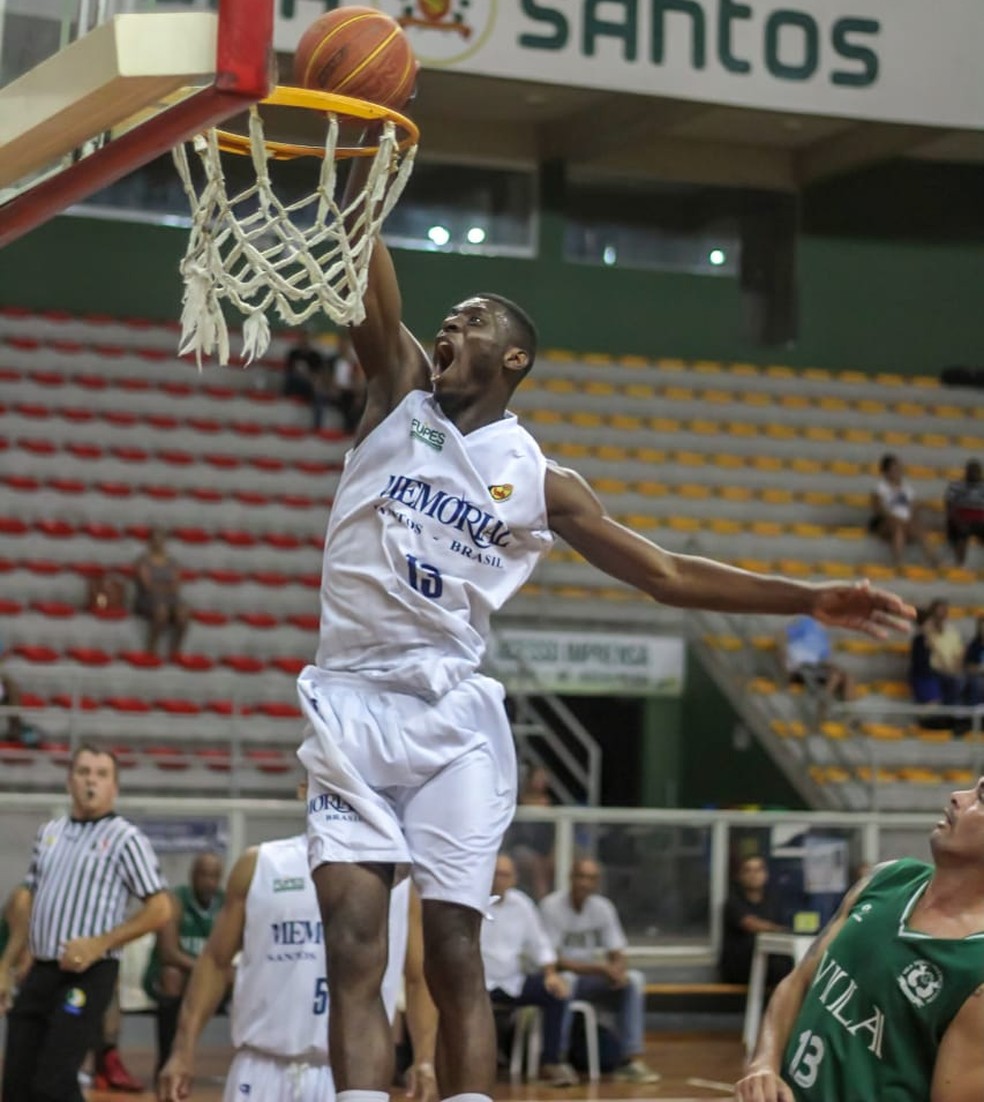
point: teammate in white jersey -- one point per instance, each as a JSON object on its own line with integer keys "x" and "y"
{"x": 281, "y": 996}
{"x": 444, "y": 507}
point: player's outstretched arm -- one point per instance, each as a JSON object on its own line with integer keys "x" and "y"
{"x": 689, "y": 581}
{"x": 959, "y": 1072}
{"x": 208, "y": 982}
{"x": 762, "y": 1081}
{"x": 391, "y": 358}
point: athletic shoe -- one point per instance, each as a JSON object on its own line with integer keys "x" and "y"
{"x": 111, "y": 1074}
{"x": 636, "y": 1071}
{"x": 559, "y": 1075}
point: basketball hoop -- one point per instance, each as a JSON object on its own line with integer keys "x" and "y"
{"x": 256, "y": 252}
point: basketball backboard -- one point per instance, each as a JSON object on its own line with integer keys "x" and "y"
{"x": 90, "y": 90}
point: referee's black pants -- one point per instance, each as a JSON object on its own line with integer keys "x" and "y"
{"x": 55, "y": 1020}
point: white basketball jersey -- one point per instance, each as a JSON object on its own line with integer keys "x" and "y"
{"x": 280, "y": 998}
{"x": 430, "y": 533}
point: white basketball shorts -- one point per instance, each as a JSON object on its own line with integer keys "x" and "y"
{"x": 395, "y": 779}
{"x": 256, "y": 1077}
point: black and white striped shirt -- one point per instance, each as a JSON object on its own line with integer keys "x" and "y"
{"x": 81, "y": 874}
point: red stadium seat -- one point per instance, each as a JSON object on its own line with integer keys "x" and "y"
{"x": 160, "y": 493}
{"x": 267, "y": 463}
{"x": 114, "y": 489}
{"x": 162, "y": 421}
{"x": 225, "y": 577}
{"x": 120, "y": 417}
{"x": 68, "y": 700}
{"x": 84, "y": 451}
{"x": 48, "y": 378}
{"x": 177, "y": 707}
{"x": 22, "y": 482}
{"x": 204, "y": 493}
{"x": 290, "y": 666}
{"x": 180, "y": 390}
{"x": 191, "y": 534}
{"x": 237, "y": 538}
{"x": 130, "y": 454}
{"x": 57, "y": 609}
{"x": 209, "y": 617}
{"x": 76, "y": 414}
{"x": 67, "y": 485}
{"x": 41, "y": 566}
{"x": 264, "y": 396}
{"x": 195, "y": 663}
{"x": 36, "y": 652}
{"x": 110, "y": 613}
{"x": 90, "y": 656}
{"x": 32, "y": 410}
{"x": 10, "y": 608}
{"x": 258, "y": 619}
{"x": 286, "y": 541}
{"x": 291, "y": 432}
{"x": 98, "y": 531}
{"x": 133, "y": 382}
{"x": 247, "y": 428}
{"x": 312, "y": 581}
{"x": 243, "y": 663}
{"x": 306, "y": 621}
{"x": 140, "y": 659}
{"x": 270, "y": 761}
{"x": 297, "y": 501}
{"x": 214, "y": 391}
{"x": 223, "y": 462}
{"x": 270, "y": 577}
{"x": 12, "y": 526}
{"x": 90, "y": 382}
{"x": 32, "y": 700}
{"x": 251, "y": 497}
{"x": 218, "y": 761}
{"x": 221, "y": 707}
{"x": 128, "y": 704}
{"x": 55, "y": 529}
{"x": 37, "y": 447}
{"x": 204, "y": 424}
{"x": 175, "y": 457}
{"x": 168, "y": 757}
{"x": 278, "y": 709}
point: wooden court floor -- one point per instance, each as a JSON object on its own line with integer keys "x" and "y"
{"x": 694, "y": 1067}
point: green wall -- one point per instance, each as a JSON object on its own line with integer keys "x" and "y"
{"x": 869, "y": 304}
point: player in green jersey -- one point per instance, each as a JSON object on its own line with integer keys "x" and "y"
{"x": 888, "y": 1005}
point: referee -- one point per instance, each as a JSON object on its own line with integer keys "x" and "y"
{"x": 84, "y": 867}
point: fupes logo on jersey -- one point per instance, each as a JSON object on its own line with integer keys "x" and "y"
{"x": 430, "y": 436}
{"x": 288, "y": 884}
{"x": 921, "y": 982}
{"x": 501, "y": 492}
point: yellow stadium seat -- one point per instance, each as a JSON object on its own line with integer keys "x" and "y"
{"x": 611, "y": 453}
{"x": 895, "y": 439}
{"x": 816, "y": 497}
{"x": 762, "y": 685}
{"x": 597, "y": 388}
{"x": 780, "y": 371}
{"x": 853, "y": 377}
{"x": 948, "y": 411}
{"x": 836, "y": 569}
{"x": 820, "y": 433}
{"x": 834, "y": 405}
{"x": 816, "y": 374}
{"x": 778, "y": 431}
{"x": 859, "y": 646}
{"x": 919, "y": 573}
{"x": 894, "y": 690}
{"x": 559, "y": 386}
{"x": 678, "y": 394}
{"x": 764, "y": 642}
{"x": 651, "y": 489}
{"x": 850, "y": 532}
{"x": 855, "y": 500}
{"x": 756, "y": 566}
{"x": 916, "y": 470}
{"x": 886, "y": 732}
{"x": 845, "y": 467}
{"x": 736, "y": 493}
{"x": 586, "y": 420}
{"x": 766, "y": 463}
{"x": 794, "y": 401}
{"x": 917, "y": 774}
{"x": 633, "y": 361}
{"x": 960, "y": 776}
{"x": 858, "y": 436}
{"x": 664, "y": 424}
{"x": 870, "y": 405}
{"x": 744, "y": 369}
{"x": 794, "y": 567}
{"x": 927, "y": 382}
{"x": 610, "y": 485}
{"x": 639, "y": 521}
{"x": 925, "y": 734}
{"x": 597, "y": 358}
{"x": 959, "y": 574}
{"x": 729, "y": 462}
{"x": 690, "y": 459}
{"x": 741, "y": 428}
{"x": 757, "y": 398}
{"x": 777, "y": 497}
{"x": 724, "y": 642}
{"x": 808, "y": 531}
{"x": 889, "y": 379}
{"x": 833, "y": 730}
{"x": 708, "y": 367}
{"x": 806, "y": 466}
{"x": 722, "y": 526}
{"x": 909, "y": 409}
{"x": 683, "y": 524}
{"x": 650, "y": 455}
{"x": 934, "y": 440}
{"x": 694, "y": 491}
{"x": 766, "y": 528}
{"x": 667, "y": 363}
{"x": 704, "y": 427}
{"x": 572, "y": 451}
{"x": 640, "y": 390}
{"x": 716, "y": 397}
{"x": 545, "y": 416}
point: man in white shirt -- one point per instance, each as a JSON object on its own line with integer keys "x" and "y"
{"x": 585, "y": 931}
{"x": 513, "y": 941}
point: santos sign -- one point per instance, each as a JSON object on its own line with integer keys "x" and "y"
{"x": 893, "y": 60}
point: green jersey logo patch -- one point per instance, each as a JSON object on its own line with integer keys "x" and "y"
{"x": 288, "y": 884}
{"x": 921, "y": 982}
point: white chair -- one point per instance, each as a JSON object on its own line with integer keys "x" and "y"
{"x": 528, "y": 1031}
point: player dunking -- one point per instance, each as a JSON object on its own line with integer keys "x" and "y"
{"x": 444, "y": 508}
{"x": 889, "y": 1002}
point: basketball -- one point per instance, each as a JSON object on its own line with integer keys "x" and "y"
{"x": 357, "y": 51}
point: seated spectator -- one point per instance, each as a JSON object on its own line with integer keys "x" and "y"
{"x": 974, "y": 664}
{"x": 346, "y": 386}
{"x": 804, "y": 652}
{"x": 586, "y": 933}
{"x": 521, "y": 967}
{"x": 964, "y": 507}
{"x": 936, "y": 657}
{"x": 195, "y": 906}
{"x": 895, "y": 513}
{"x": 532, "y": 844}
{"x": 158, "y": 595}
{"x": 304, "y": 377}
{"x": 749, "y": 910}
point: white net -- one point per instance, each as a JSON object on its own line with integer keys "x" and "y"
{"x": 257, "y": 253}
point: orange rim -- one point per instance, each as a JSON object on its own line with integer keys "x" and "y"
{"x": 309, "y": 99}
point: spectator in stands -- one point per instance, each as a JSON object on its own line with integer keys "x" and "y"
{"x": 964, "y": 508}
{"x": 974, "y": 664}
{"x": 895, "y": 513}
{"x": 10, "y": 698}
{"x": 158, "y": 595}
{"x": 936, "y": 657}
{"x": 804, "y": 651}
{"x": 521, "y": 967}
{"x": 346, "y": 386}
{"x": 586, "y": 933}
{"x": 304, "y": 377}
{"x": 749, "y": 910}
{"x": 532, "y": 844}
{"x": 194, "y": 908}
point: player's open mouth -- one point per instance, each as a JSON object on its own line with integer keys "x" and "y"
{"x": 443, "y": 357}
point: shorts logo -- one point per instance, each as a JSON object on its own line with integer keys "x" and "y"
{"x": 921, "y": 982}
{"x": 501, "y": 492}
{"x": 432, "y": 437}
{"x": 288, "y": 884}
{"x": 75, "y": 1001}
{"x": 334, "y": 808}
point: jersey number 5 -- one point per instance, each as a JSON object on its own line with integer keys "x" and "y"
{"x": 426, "y": 579}
{"x": 320, "y": 995}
